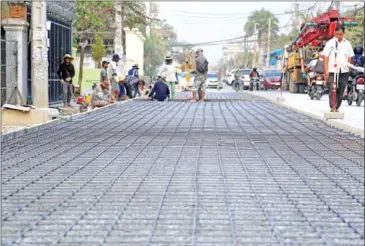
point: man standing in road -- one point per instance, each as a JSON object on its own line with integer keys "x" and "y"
{"x": 66, "y": 72}
{"x": 337, "y": 52}
{"x": 201, "y": 75}
{"x": 115, "y": 71}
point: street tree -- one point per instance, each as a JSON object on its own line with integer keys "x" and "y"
{"x": 356, "y": 34}
{"x": 95, "y": 17}
{"x": 260, "y": 18}
{"x": 155, "y": 49}
{"x": 98, "y": 50}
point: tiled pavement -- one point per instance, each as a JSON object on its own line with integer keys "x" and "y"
{"x": 177, "y": 173}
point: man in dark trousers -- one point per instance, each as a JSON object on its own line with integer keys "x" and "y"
{"x": 337, "y": 53}
{"x": 160, "y": 90}
{"x": 65, "y": 73}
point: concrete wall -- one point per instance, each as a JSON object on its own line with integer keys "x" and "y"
{"x": 134, "y": 49}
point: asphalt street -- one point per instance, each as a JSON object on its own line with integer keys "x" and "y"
{"x": 237, "y": 170}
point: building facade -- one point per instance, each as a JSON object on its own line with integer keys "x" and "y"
{"x": 15, "y": 28}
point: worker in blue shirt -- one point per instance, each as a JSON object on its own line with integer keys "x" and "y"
{"x": 160, "y": 90}
{"x": 134, "y": 71}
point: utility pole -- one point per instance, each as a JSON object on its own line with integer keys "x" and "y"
{"x": 118, "y": 38}
{"x": 337, "y": 5}
{"x": 255, "y": 45}
{"x": 297, "y": 21}
{"x": 268, "y": 43}
{"x": 39, "y": 53}
{"x": 148, "y": 11}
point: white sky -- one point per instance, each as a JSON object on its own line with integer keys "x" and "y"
{"x": 197, "y": 22}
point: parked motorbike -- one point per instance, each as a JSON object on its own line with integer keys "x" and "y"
{"x": 316, "y": 89}
{"x": 356, "y": 90}
{"x": 254, "y": 84}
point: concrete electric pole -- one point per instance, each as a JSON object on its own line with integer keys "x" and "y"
{"x": 255, "y": 45}
{"x": 39, "y": 53}
{"x": 118, "y": 38}
{"x": 148, "y": 12}
{"x": 268, "y": 44}
{"x": 337, "y": 5}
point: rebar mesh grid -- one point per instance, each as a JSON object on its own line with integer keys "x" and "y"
{"x": 217, "y": 173}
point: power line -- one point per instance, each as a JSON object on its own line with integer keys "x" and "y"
{"x": 226, "y": 40}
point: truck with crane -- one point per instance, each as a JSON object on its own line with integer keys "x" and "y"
{"x": 312, "y": 37}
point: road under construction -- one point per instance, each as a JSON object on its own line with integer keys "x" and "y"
{"x": 237, "y": 170}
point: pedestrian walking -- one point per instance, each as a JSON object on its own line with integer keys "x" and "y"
{"x": 66, "y": 72}
{"x": 168, "y": 71}
{"x": 337, "y": 53}
{"x": 114, "y": 72}
{"x": 201, "y": 75}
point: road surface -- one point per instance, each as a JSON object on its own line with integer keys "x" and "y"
{"x": 229, "y": 172}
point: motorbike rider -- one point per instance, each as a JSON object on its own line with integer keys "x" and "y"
{"x": 310, "y": 66}
{"x": 254, "y": 73}
{"x": 358, "y": 59}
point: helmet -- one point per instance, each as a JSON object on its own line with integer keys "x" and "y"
{"x": 315, "y": 55}
{"x": 358, "y": 50}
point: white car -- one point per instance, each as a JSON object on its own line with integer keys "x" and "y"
{"x": 245, "y": 77}
{"x": 212, "y": 81}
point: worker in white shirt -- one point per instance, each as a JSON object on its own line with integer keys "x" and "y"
{"x": 114, "y": 73}
{"x": 337, "y": 54}
{"x": 168, "y": 70}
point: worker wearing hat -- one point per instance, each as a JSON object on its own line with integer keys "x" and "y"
{"x": 168, "y": 71}
{"x": 123, "y": 93}
{"x": 66, "y": 72}
{"x": 101, "y": 95}
{"x": 114, "y": 72}
{"x": 134, "y": 71}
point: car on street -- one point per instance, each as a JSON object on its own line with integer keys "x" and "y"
{"x": 272, "y": 79}
{"x": 212, "y": 81}
{"x": 245, "y": 77}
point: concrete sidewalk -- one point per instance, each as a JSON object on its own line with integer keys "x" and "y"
{"x": 354, "y": 116}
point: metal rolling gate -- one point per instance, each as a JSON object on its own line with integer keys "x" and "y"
{"x": 60, "y": 43}
{"x": 226, "y": 172}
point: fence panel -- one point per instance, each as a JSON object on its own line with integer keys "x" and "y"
{"x": 9, "y": 70}
{"x": 60, "y": 44}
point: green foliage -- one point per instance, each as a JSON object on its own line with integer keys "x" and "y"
{"x": 261, "y": 18}
{"x": 134, "y": 13}
{"x": 98, "y": 50}
{"x": 155, "y": 49}
{"x": 356, "y": 34}
{"x": 92, "y": 16}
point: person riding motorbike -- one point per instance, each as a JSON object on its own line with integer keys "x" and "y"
{"x": 310, "y": 66}
{"x": 359, "y": 59}
{"x": 253, "y": 75}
